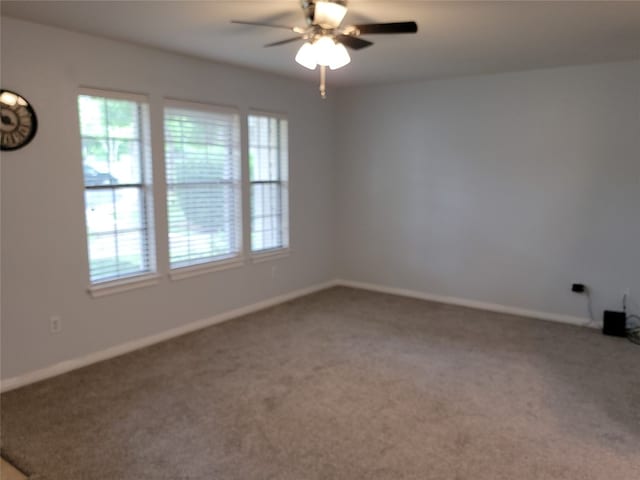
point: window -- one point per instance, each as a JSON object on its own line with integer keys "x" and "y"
{"x": 202, "y": 155}
{"x": 116, "y": 158}
{"x": 268, "y": 176}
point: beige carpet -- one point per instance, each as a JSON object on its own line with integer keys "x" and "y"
{"x": 343, "y": 384}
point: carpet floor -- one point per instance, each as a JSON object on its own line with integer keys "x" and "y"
{"x": 342, "y": 384}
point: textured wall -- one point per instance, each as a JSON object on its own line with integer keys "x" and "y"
{"x": 503, "y": 188}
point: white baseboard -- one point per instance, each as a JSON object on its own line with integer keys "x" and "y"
{"x": 463, "y": 302}
{"x": 75, "y": 363}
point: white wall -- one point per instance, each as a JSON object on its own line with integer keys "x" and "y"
{"x": 502, "y": 189}
{"x": 44, "y": 259}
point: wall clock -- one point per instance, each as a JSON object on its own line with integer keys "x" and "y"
{"x": 18, "y": 121}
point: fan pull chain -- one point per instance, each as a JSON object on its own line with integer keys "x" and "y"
{"x": 323, "y": 81}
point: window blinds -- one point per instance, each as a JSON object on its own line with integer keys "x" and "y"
{"x": 117, "y": 176}
{"x": 268, "y": 176}
{"x": 202, "y": 156}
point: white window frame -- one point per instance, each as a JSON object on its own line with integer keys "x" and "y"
{"x": 284, "y": 250}
{"x": 224, "y": 262}
{"x": 149, "y": 277}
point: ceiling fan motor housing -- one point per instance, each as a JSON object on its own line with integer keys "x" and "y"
{"x": 309, "y": 9}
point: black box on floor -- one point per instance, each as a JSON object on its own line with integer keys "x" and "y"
{"x": 614, "y": 323}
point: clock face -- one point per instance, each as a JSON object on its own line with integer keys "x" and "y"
{"x": 18, "y": 123}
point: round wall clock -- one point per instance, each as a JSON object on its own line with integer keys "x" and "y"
{"x": 19, "y": 122}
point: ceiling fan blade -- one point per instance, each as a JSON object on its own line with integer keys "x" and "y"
{"x": 282, "y": 42}
{"x": 270, "y": 25}
{"x": 353, "y": 42}
{"x": 396, "y": 27}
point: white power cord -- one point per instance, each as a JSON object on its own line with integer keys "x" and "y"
{"x": 633, "y": 332}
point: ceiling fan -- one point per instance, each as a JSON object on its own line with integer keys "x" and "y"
{"x": 325, "y": 39}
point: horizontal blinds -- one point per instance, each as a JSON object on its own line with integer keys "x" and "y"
{"x": 202, "y": 156}
{"x": 268, "y": 174}
{"x": 116, "y": 167}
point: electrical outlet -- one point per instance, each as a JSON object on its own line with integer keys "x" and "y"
{"x": 578, "y": 288}
{"x": 55, "y": 324}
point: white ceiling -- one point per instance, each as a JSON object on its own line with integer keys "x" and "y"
{"x": 454, "y": 37}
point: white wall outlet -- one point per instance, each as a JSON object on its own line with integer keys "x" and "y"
{"x": 55, "y": 324}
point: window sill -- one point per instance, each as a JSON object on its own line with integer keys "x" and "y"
{"x": 119, "y": 286}
{"x": 204, "y": 268}
{"x": 267, "y": 255}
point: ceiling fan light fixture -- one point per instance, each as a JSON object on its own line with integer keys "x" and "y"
{"x": 324, "y": 48}
{"x": 306, "y": 56}
{"x": 340, "y": 57}
{"x": 324, "y": 51}
{"x": 329, "y": 14}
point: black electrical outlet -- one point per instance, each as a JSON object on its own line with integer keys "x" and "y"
{"x": 578, "y": 288}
